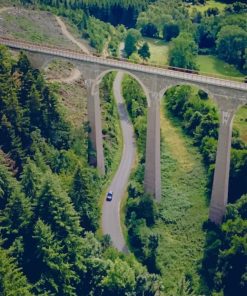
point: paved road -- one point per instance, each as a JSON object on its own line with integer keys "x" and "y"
{"x": 111, "y": 210}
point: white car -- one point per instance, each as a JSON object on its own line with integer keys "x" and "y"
{"x": 109, "y": 196}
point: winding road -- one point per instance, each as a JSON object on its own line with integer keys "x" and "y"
{"x": 111, "y": 210}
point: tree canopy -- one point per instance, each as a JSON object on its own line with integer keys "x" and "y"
{"x": 183, "y": 52}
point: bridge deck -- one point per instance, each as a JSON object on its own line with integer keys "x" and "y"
{"x": 122, "y": 64}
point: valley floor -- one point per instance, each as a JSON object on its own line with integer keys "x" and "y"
{"x": 184, "y": 206}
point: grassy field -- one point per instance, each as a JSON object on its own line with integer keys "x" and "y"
{"x": 207, "y": 63}
{"x": 240, "y": 122}
{"x": 58, "y": 69}
{"x": 184, "y": 207}
{"x": 35, "y": 26}
{"x": 213, "y": 65}
{"x": 158, "y": 50}
{"x": 209, "y": 4}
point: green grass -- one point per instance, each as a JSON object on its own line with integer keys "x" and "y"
{"x": 207, "y": 63}
{"x": 209, "y": 4}
{"x": 184, "y": 207}
{"x": 240, "y": 122}
{"x": 159, "y": 51}
{"x": 122, "y": 218}
{"x": 34, "y": 26}
{"x": 213, "y": 65}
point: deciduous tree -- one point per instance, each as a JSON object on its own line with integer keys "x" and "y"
{"x": 183, "y": 52}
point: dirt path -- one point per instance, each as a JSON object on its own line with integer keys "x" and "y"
{"x": 105, "y": 52}
{"x": 69, "y": 35}
{"x": 75, "y": 75}
{"x": 4, "y": 9}
{"x": 121, "y": 50}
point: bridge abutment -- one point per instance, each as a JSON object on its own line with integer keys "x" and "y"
{"x": 219, "y": 195}
{"x": 152, "y": 178}
{"x": 94, "y": 118}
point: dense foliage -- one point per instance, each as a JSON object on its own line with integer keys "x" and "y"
{"x": 160, "y": 14}
{"x": 29, "y": 118}
{"x": 183, "y": 52}
{"x": 49, "y": 210}
{"x": 112, "y": 11}
{"x": 224, "y": 263}
{"x": 222, "y": 33}
{"x": 144, "y": 51}
{"x": 131, "y": 41}
{"x": 110, "y": 128}
{"x": 225, "y": 34}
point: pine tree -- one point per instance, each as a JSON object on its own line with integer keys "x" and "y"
{"x": 144, "y": 51}
{"x": 16, "y": 218}
{"x": 6, "y": 186}
{"x": 55, "y": 208}
{"x": 12, "y": 280}
{"x": 84, "y": 197}
{"x": 23, "y": 65}
{"x": 56, "y": 275}
{"x": 31, "y": 180}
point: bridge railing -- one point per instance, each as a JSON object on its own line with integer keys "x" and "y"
{"x": 186, "y": 74}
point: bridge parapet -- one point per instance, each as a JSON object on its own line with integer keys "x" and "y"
{"x": 124, "y": 65}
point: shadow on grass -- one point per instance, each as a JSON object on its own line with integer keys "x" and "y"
{"x": 225, "y": 69}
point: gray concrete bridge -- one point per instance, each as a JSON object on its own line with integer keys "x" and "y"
{"x": 228, "y": 95}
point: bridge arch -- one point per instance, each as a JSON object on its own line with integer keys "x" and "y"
{"x": 144, "y": 88}
{"x": 198, "y": 86}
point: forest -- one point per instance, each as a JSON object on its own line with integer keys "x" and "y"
{"x": 112, "y": 11}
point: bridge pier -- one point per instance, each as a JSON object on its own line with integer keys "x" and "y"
{"x": 94, "y": 118}
{"x": 152, "y": 177}
{"x": 219, "y": 195}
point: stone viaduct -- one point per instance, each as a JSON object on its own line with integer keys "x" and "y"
{"x": 228, "y": 95}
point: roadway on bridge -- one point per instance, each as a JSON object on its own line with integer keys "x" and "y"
{"x": 111, "y": 209}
